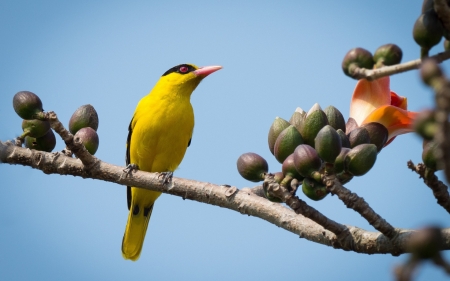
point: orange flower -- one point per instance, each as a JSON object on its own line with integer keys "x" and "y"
{"x": 373, "y": 101}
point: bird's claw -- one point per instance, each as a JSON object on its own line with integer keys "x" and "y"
{"x": 166, "y": 177}
{"x": 130, "y": 168}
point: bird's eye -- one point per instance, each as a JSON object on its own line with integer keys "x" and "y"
{"x": 184, "y": 69}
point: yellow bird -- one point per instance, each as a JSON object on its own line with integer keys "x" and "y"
{"x": 158, "y": 136}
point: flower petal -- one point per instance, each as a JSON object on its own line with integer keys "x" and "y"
{"x": 399, "y": 101}
{"x": 395, "y": 119}
{"x": 369, "y": 95}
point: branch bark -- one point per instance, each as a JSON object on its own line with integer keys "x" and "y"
{"x": 243, "y": 201}
{"x": 373, "y": 74}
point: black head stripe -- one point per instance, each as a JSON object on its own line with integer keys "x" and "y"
{"x": 179, "y": 68}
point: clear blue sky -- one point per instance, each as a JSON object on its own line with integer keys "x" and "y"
{"x": 276, "y": 55}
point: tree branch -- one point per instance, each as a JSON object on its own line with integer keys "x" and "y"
{"x": 243, "y": 201}
{"x": 373, "y": 74}
{"x": 440, "y": 190}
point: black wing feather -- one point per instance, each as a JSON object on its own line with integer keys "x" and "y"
{"x": 127, "y": 160}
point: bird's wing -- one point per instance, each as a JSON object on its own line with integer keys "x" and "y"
{"x": 127, "y": 160}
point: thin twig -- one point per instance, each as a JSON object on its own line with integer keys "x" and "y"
{"x": 358, "y": 204}
{"x": 440, "y": 190}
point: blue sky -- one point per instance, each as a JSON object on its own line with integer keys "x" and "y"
{"x": 277, "y": 55}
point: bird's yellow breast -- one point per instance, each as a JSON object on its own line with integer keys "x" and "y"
{"x": 162, "y": 127}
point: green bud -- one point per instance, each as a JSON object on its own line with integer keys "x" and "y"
{"x": 357, "y": 57}
{"x": 306, "y": 160}
{"x": 328, "y": 144}
{"x": 26, "y": 104}
{"x": 84, "y": 116}
{"x": 430, "y": 156}
{"x": 388, "y": 54}
{"x": 315, "y": 120}
{"x": 35, "y": 128}
{"x": 277, "y": 127}
{"x": 360, "y": 159}
{"x": 89, "y": 138}
{"x": 425, "y": 124}
{"x": 358, "y": 136}
{"x": 378, "y": 134}
{"x": 45, "y": 143}
{"x": 297, "y": 119}
{"x": 286, "y": 143}
{"x": 428, "y": 29}
{"x": 339, "y": 163}
{"x": 289, "y": 169}
{"x": 252, "y": 167}
{"x": 314, "y": 190}
{"x": 344, "y": 139}
{"x": 350, "y": 125}
{"x": 335, "y": 118}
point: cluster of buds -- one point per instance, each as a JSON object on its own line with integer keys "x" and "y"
{"x": 429, "y": 29}
{"x": 388, "y": 54}
{"x": 314, "y": 143}
{"x": 37, "y": 133}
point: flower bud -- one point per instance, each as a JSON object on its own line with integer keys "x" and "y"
{"x": 378, "y": 134}
{"x": 84, "y": 116}
{"x": 306, "y": 160}
{"x": 358, "y": 136}
{"x": 339, "y": 163}
{"x": 35, "y": 128}
{"x": 89, "y": 138}
{"x": 278, "y": 125}
{"x": 388, "y": 54}
{"x": 26, "y": 104}
{"x": 357, "y": 57}
{"x": 45, "y": 143}
{"x": 289, "y": 169}
{"x": 335, "y": 118}
{"x": 286, "y": 143}
{"x": 428, "y": 29}
{"x": 314, "y": 190}
{"x": 344, "y": 139}
{"x": 328, "y": 144}
{"x": 252, "y": 167}
{"x": 315, "y": 120}
{"x": 360, "y": 159}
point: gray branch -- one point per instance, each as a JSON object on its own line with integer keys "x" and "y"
{"x": 243, "y": 201}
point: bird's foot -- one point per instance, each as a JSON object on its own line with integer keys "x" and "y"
{"x": 129, "y": 169}
{"x": 166, "y": 177}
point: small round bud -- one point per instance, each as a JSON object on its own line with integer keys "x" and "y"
{"x": 344, "y": 139}
{"x": 289, "y": 169}
{"x": 314, "y": 190}
{"x": 252, "y": 167}
{"x": 89, "y": 138}
{"x": 428, "y": 29}
{"x": 430, "y": 156}
{"x": 26, "y": 104}
{"x": 339, "y": 163}
{"x": 84, "y": 116}
{"x": 388, "y": 54}
{"x": 357, "y": 57}
{"x": 35, "y": 128}
{"x": 306, "y": 160}
{"x": 45, "y": 143}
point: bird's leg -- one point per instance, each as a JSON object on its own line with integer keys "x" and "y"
{"x": 130, "y": 168}
{"x": 166, "y": 177}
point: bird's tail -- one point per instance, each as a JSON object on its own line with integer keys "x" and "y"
{"x": 133, "y": 239}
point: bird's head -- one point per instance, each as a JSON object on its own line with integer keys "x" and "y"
{"x": 186, "y": 77}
